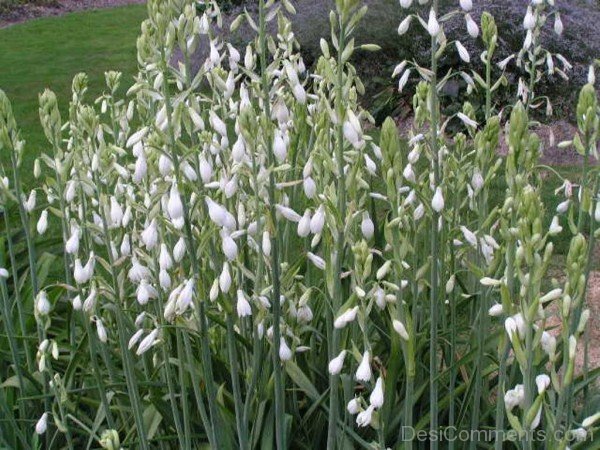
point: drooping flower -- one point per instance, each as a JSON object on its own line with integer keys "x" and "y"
{"x": 462, "y": 52}
{"x": 363, "y": 372}
{"x": 42, "y": 424}
{"x": 367, "y": 227}
{"x": 466, "y": 5}
{"x": 400, "y": 329}
{"x": 243, "y": 306}
{"x": 376, "y": 398}
{"x": 336, "y": 364}
{"x": 472, "y": 27}
{"x": 42, "y": 224}
{"x": 175, "y": 207}
{"x": 433, "y": 26}
{"x": 404, "y": 25}
{"x": 437, "y": 203}
{"x": 285, "y": 354}
{"x": 365, "y": 417}
{"x": 147, "y": 342}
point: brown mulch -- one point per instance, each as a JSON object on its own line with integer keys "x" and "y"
{"x": 28, "y": 11}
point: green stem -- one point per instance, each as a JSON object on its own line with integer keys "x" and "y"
{"x": 279, "y": 395}
{"x": 338, "y": 296}
{"x": 434, "y": 295}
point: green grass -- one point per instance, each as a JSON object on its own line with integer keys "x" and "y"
{"x": 47, "y": 53}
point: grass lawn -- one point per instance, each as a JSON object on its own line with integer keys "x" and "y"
{"x": 48, "y": 52}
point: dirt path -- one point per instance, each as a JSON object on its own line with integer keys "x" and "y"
{"x": 26, "y": 12}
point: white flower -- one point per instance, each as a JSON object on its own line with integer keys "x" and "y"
{"x": 514, "y": 397}
{"x": 42, "y": 224}
{"x": 288, "y": 213}
{"x": 572, "y": 347}
{"x": 179, "y": 250}
{"x": 555, "y": 227}
{"x": 225, "y": 279}
{"x": 150, "y": 235}
{"x": 542, "y": 381}
{"x": 353, "y": 406}
{"x": 29, "y": 204}
{"x": 304, "y": 224}
{"x": 502, "y": 64}
{"x": 400, "y": 329}
{"x": 399, "y": 69}
{"x": 437, "y": 203}
{"x": 4, "y": 273}
{"x": 42, "y": 305}
{"x": 336, "y": 364}
{"x": 467, "y": 120}
{"x": 469, "y": 236}
{"x": 136, "y": 137}
{"x": 409, "y": 173}
{"x": 376, "y": 397}
{"x": 496, "y": 310}
{"x": 217, "y": 124}
{"x": 116, "y": 213}
{"x": 550, "y": 296}
{"x": 137, "y": 273}
{"x": 345, "y": 318}
{"x": 165, "y": 261}
{"x": 367, "y": 227}
{"x": 511, "y": 327}
{"x": 316, "y": 260}
{"x": 529, "y": 20}
{"x": 318, "y": 220}
{"x": 279, "y": 147}
{"x": 164, "y": 280}
{"x": 42, "y": 424}
{"x": 365, "y": 417}
{"x": 266, "y": 243}
{"x": 185, "y": 297}
{"x": 310, "y": 187}
{"x": 285, "y": 354}
{"x": 363, "y": 373}
{"x": 466, "y": 5}
{"x": 147, "y": 342}
{"x": 419, "y": 212}
{"x": 403, "y": 80}
{"x": 145, "y": 292}
{"x": 101, "y": 330}
{"x": 563, "y": 207}
{"x": 230, "y": 248}
{"x": 175, "y": 207}
{"x": 72, "y": 244}
{"x": 404, "y": 25}
{"x": 135, "y": 338}
{"x": 243, "y": 307}
{"x": 433, "y": 27}
{"x": 591, "y": 420}
{"x": 406, "y": 3}
{"x": 472, "y": 27}
{"x": 548, "y": 344}
{"x": 558, "y": 25}
{"x": 462, "y": 52}
{"x": 299, "y": 93}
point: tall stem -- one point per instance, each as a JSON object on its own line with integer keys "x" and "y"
{"x": 433, "y": 299}
{"x": 338, "y": 297}
{"x": 279, "y": 396}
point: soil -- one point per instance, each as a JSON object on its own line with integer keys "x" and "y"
{"x": 28, "y": 11}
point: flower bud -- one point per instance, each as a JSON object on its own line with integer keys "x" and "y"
{"x": 363, "y": 373}
{"x": 336, "y": 364}
{"x": 376, "y": 398}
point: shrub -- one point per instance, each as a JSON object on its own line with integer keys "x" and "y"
{"x": 247, "y": 265}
